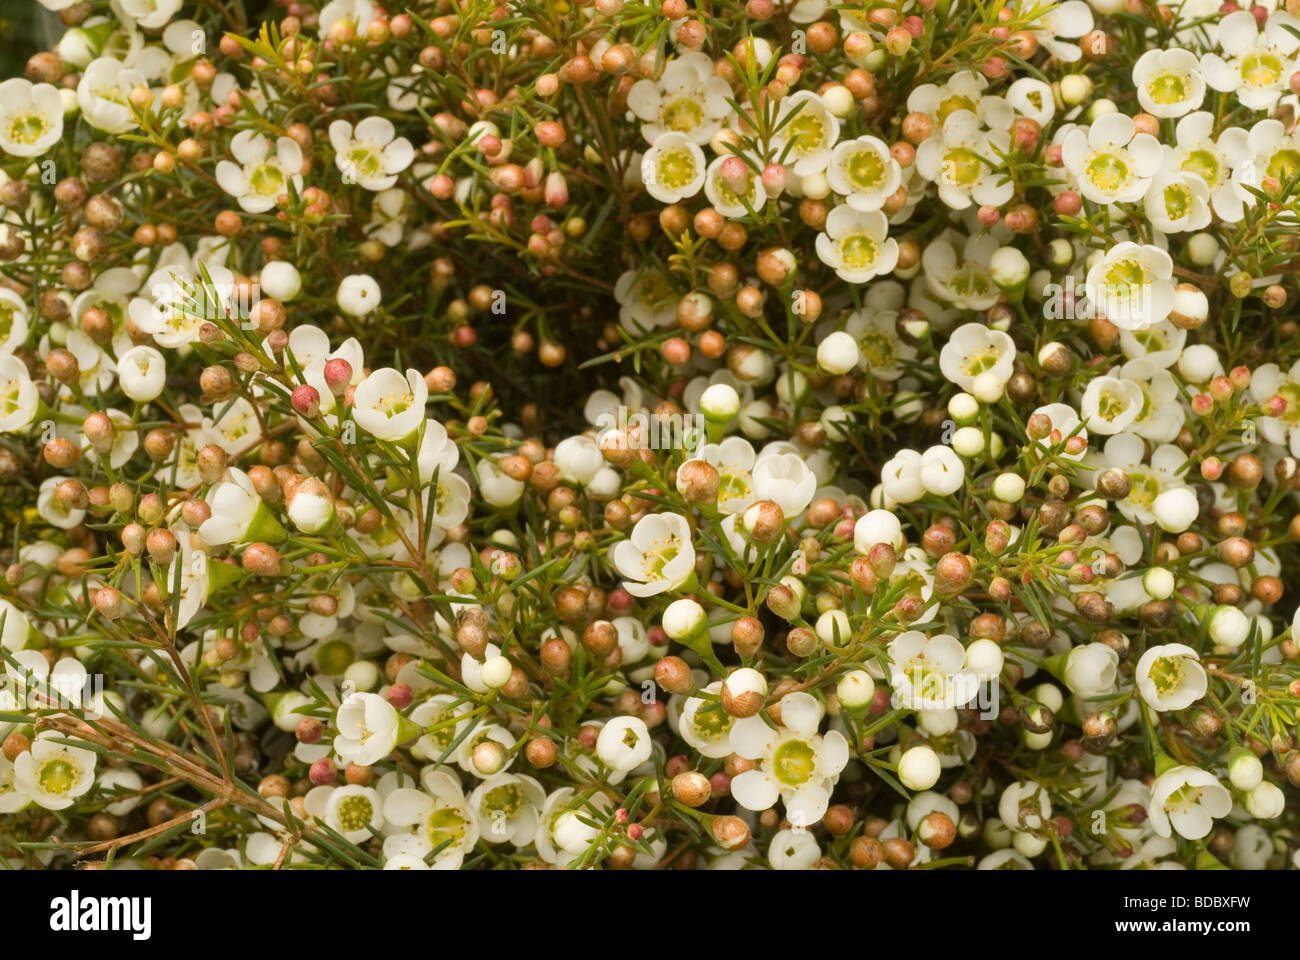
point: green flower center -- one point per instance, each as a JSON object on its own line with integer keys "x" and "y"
{"x": 1168, "y": 88}
{"x": 28, "y": 127}
{"x": 1284, "y": 165}
{"x": 865, "y": 169}
{"x": 794, "y": 762}
{"x": 962, "y": 165}
{"x": 355, "y": 813}
{"x": 1261, "y": 69}
{"x": 682, "y": 115}
{"x": 1107, "y": 172}
{"x": 1178, "y": 201}
{"x": 57, "y": 777}
{"x": 1204, "y": 164}
{"x": 676, "y": 168}
{"x": 806, "y": 133}
{"x": 1167, "y": 674}
{"x": 858, "y": 250}
{"x": 267, "y": 181}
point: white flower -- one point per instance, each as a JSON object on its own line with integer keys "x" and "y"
{"x": 705, "y": 726}
{"x": 1025, "y": 806}
{"x": 658, "y": 556}
{"x": 18, "y": 397}
{"x": 1111, "y": 161}
{"x": 733, "y": 458}
{"x": 357, "y": 12}
{"x": 367, "y": 729}
{"x": 54, "y": 774}
{"x": 624, "y": 743}
{"x": 882, "y": 352}
{"x": 238, "y": 514}
{"x": 1091, "y": 669}
{"x": 927, "y": 672}
{"x": 647, "y": 300}
{"x": 436, "y": 818}
{"x": 390, "y": 406}
{"x": 673, "y": 168}
{"x": 14, "y": 627}
{"x": 1214, "y": 160}
{"x": 497, "y": 488}
{"x": 965, "y": 282}
{"x": 310, "y": 506}
{"x": 1186, "y": 800}
{"x": 259, "y": 178}
{"x": 359, "y": 294}
{"x": 102, "y": 95}
{"x": 1267, "y": 382}
{"x": 13, "y": 321}
{"x": 1110, "y": 404}
{"x": 864, "y": 172}
{"x": 370, "y": 155}
{"x": 508, "y": 806}
{"x": 1257, "y": 64}
{"x": 795, "y": 763}
{"x": 1169, "y": 82}
{"x": 857, "y": 245}
{"x": 353, "y": 810}
{"x": 1032, "y": 98}
{"x": 732, "y": 203}
{"x": 1177, "y": 202}
{"x": 942, "y": 471}
{"x": 1265, "y": 802}
{"x": 1132, "y": 285}
{"x": 687, "y": 99}
{"x": 579, "y": 459}
{"x": 1170, "y": 677}
{"x": 974, "y": 350}
{"x": 785, "y": 479}
{"x": 1069, "y": 21}
{"x": 793, "y": 850}
{"x": 806, "y": 132}
{"x": 901, "y": 477}
{"x": 964, "y": 161}
{"x": 52, "y": 510}
{"x": 1273, "y": 153}
{"x": 31, "y": 117}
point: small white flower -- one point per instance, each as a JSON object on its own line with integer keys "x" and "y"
{"x": 18, "y": 397}
{"x": 964, "y": 161}
{"x": 688, "y": 98}
{"x": 785, "y": 479}
{"x": 942, "y": 471}
{"x": 878, "y": 526}
{"x": 1214, "y": 160}
{"x": 1175, "y": 510}
{"x": 508, "y": 806}
{"x": 1170, "y": 677}
{"x": 624, "y": 743}
{"x": 919, "y": 768}
{"x": 1110, "y": 404}
{"x": 31, "y": 117}
{"x": 238, "y": 514}
{"x": 260, "y": 177}
{"x": 966, "y": 281}
{"x": 705, "y": 726}
{"x": 1257, "y": 64}
{"x": 1187, "y": 800}
{"x": 353, "y": 810}
{"x": 1177, "y": 202}
{"x": 808, "y": 129}
{"x": 1111, "y": 161}
{"x": 1169, "y": 82}
{"x": 864, "y": 172}
{"x": 927, "y": 672}
{"x": 673, "y": 168}
{"x": 1132, "y": 285}
{"x": 857, "y": 245}
{"x": 728, "y": 202}
{"x": 54, "y": 774}
{"x": 102, "y": 95}
{"x": 795, "y": 763}
{"x": 974, "y": 350}
{"x": 1265, "y": 802}
{"x": 390, "y": 406}
{"x": 1266, "y": 382}
{"x": 280, "y": 279}
{"x": 367, "y": 729}
{"x": 658, "y": 556}
{"x": 838, "y": 353}
{"x": 371, "y": 155}
{"x": 1091, "y": 669}
{"x": 359, "y": 294}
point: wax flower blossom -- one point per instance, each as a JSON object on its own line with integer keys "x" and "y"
{"x": 796, "y": 764}
{"x": 658, "y": 555}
